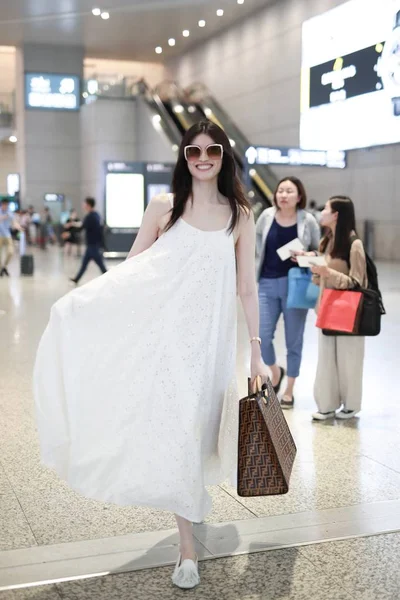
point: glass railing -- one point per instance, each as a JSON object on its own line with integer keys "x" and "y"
{"x": 112, "y": 86}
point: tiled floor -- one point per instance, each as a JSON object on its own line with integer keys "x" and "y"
{"x": 338, "y": 465}
{"x": 362, "y": 569}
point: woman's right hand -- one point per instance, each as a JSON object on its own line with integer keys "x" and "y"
{"x": 296, "y": 253}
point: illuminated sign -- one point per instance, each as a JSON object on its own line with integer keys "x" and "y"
{"x": 51, "y": 197}
{"x": 52, "y": 91}
{"x": 296, "y": 157}
{"x": 350, "y": 79}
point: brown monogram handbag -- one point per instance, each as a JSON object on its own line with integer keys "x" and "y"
{"x": 266, "y": 450}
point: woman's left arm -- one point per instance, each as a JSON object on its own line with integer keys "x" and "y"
{"x": 358, "y": 268}
{"x": 247, "y": 288}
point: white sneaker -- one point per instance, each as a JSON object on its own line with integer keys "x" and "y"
{"x": 346, "y": 414}
{"x": 186, "y": 574}
{"x": 320, "y": 416}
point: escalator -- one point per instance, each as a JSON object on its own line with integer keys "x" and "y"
{"x": 178, "y": 111}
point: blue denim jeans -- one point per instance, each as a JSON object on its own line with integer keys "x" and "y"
{"x": 272, "y": 295}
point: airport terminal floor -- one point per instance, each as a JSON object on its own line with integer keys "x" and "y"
{"x": 335, "y": 536}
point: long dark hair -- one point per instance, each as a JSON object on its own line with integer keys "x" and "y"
{"x": 229, "y": 184}
{"x": 300, "y": 190}
{"x": 346, "y": 224}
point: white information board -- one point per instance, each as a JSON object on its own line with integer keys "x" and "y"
{"x": 124, "y": 200}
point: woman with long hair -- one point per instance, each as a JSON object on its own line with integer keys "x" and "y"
{"x": 338, "y": 384}
{"x": 276, "y": 227}
{"x": 140, "y": 407}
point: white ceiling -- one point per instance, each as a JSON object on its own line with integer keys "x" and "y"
{"x": 133, "y": 31}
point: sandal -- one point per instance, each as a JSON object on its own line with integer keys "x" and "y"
{"x": 286, "y": 403}
{"x": 277, "y": 387}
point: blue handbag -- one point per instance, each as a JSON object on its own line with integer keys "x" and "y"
{"x": 303, "y": 293}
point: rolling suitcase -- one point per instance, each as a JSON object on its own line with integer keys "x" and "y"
{"x": 27, "y": 265}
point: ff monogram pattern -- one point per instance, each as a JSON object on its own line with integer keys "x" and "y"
{"x": 266, "y": 449}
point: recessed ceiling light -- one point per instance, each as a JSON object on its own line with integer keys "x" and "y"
{"x": 178, "y": 109}
{"x": 240, "y": 1}
{"x": 12, "y": 139}
{"x": 208, "y": 112}
{"x": 186, "y": 33}
{"x": 175, "y": 147}
{"x": 220, "y": 12}
{"x": 158, "y": 50}
{"x": 171, "y": 42}
{"x": 96, "y": 12}
{"x": 252, "y": 172}
{"x": 192, "y": 109}
{"x": 105, "y": 15}
{"x": 202, "y": 23}
{"x": 232, "y": 142}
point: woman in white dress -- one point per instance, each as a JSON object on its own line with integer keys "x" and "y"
{"x": 135, "y": 375}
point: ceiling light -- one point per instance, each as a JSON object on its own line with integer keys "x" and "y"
{"x": 192, "y": 109}
{"x": 105, "y": 15}
{"x": 85, "y": 94}
{"x": 232, "y": 142}
{"x": 171, "y": 42}
{"x": 96, "y": 12}
{"x": 178, "y": 109}
{"x": 202, "y": 23}
{"x": 220, "y": 12}
{"x": 252, "y": 172}
{"x": 92, "y": 86}
{"x": 240, "y": 1}
{"x": 175, "y": 147}
{"x": 12, "y": 139}
{"x": 208, "y": 112}
{"x": 251, "y": 194}
{"x": 158, "y": 50}
{"x": 186, "y": 33}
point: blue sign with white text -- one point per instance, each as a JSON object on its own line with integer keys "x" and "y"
{"x": 52, "y": 91}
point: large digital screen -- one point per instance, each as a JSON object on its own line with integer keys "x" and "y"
{"x": 52, "y": 91}
{"x": 124, "y": 200}
{"x": 350, "y": 83}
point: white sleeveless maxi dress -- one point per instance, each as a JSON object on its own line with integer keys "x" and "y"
{"x": 135, "y": 377}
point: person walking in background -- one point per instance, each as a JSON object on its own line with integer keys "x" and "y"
{"x": 71, "y": 234}
{"x": 7, "y": 221}
{"x": 278, "y": 226}
{"x": 314, "y": 210}
{"x": 94, "y": 238}
{"x": 340, "y": 358}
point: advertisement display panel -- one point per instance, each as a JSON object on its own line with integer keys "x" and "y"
{"x": 350, "y": 82}
{"x": 124, "y": 200}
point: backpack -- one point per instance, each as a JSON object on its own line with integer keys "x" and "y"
{"x": 372, "y": 274}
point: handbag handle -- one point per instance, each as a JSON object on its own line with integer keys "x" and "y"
{"x": 257, "y": 386}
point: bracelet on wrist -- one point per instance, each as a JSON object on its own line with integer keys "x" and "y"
{"x": 255, "y": 339}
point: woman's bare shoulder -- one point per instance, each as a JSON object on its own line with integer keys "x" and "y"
{"x": 246, "y": 217}
{"x": 161, "y": 203}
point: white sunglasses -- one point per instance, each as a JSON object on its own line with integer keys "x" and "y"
{"x": 213, "y": 152}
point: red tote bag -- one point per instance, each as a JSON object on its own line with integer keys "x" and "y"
{"x": 340, "y": 310}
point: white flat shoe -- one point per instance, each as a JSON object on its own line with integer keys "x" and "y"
{"x": 319, "y": 416}
{"x": 346, "y": 414}
{"x": 186, "y": 574}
